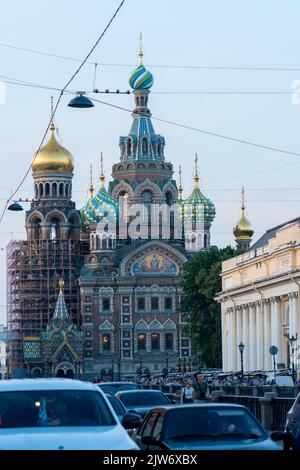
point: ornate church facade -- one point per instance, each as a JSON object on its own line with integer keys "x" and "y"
{"x": 127, "y": 250}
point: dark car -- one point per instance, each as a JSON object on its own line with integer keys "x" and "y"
{"x": 129, "y": 420}
{"x": 114, "y": 387}
{"x": 292, "y": 428}
{"x": 141, "y": 401}
{"x": 208, "y": 427}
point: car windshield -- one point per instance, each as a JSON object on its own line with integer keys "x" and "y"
{"x": 114, "y": 388}
{"x": 53, "y": 408}
{"x": 144, "y": 399}
{"x": 117, "y": 406}
{"x": 211, "y": 422}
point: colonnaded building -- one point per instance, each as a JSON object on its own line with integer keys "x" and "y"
{"x": 260, "y": 298}
{"x": 84, "y": 295}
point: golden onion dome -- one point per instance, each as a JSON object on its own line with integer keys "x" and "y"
{"x": 243, "y": 228}
{"x": 53, "y": 158}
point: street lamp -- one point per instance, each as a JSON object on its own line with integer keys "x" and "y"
{"x": 113, "y": 368}
{"x": 292, "y": 342}
{"x": 241, "y": 347}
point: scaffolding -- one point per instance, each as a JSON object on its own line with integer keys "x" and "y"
{"x": 34, "y": 268}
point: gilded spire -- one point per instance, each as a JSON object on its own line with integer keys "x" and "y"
{"x": 102, "y": 177}
{"x": 180, "y": 189}
{"x": 196, "y": 176}
{"x": 52, "y": 125}
{"x": 141, "y": 55}
{"x": 61, "y": 284}
{"x": 243, "y": 228}
{"x": 91, "y": 186}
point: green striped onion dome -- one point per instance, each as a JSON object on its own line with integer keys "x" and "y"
{"x": 101, "y": 206}
{"x": 141, "y": 78}
{"x": 198, "y": 207}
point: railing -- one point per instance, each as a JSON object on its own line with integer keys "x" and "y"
{"x": 280, "y": 408}
{"x": 252, "y": 403}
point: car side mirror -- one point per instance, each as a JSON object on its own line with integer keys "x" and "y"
{"x": 277, "y": 436}
{"x": 150, "y": 441}
{"x": 131, "y": 421}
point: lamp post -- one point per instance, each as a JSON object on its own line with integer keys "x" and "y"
{"x": 167, "y": 361}
{"x": 241, "y": 347}
{"x": 292, "y": 342}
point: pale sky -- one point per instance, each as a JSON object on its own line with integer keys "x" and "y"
{"x": 193, "y": 33}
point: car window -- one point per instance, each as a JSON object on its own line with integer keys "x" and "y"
{"x": 210, "y": 420}
{"x": 114, "y": 388}
{"x": 158, "y": 427}
{"x": 149, "y": 424}
{"x": 117, "y": 406}
{"x": 144, "y": 399}
{"x": 53, "y": 408}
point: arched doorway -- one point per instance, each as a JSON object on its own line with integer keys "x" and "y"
{"x": 65, "y": 370}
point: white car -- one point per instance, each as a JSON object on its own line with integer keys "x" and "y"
{"x": 58, "y": 414}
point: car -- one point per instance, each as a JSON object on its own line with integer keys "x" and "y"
{"x": 217, "y": 426}
{"x": 114, "y": 387}
{"x": 124, "y": 416}
{"x": 54, "y": 414}
{"x": 141, "y": 401}
{"x": 291, "y": 438}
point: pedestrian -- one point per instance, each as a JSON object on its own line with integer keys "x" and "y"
{"x": 201, "y": 387}
{"x": 187, "y": 393}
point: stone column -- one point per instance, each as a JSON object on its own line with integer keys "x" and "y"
{"x": 234, "y": 343}
{"x": 252, "y": 333}
{"x": 224, "y": 338}
{"x": 293, "y": 301}
{"x": 276, "y": 327}
{"x": 229, "y": 340}
{"x": 267, "y": 336}
{"x": 259, "y": 338}
{"x": 246, "y": 338}
{"x": 239, "y": 334}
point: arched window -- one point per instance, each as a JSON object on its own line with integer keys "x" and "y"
{"x": 144, "y": 146}
{"x": 54, "y": 190}
{"x": 141, "y": 341}
{"x": 36, "y": 229}
{"x": 67, "y": 190}
{"x": 129, "y": 147}
{"x": 47, "y": 189}
{"x": 55, "y": 229}
{"x": 35, "y": 190}
{"x": 124, "y": 205}
{"x": 61, "y": 189}
{"x": 205, "y": 241}
{"x": 155, "y": 341}
{"x": 41, "y": 189}
{"x": 159, "y": 148}
{"x": 147, "y": 203}
{"x": 169, "y": 198}
{"x": 97, "y": 242}
{"x": 106, "y": 343}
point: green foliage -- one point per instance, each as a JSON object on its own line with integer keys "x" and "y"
{"x": 201, "y": 282}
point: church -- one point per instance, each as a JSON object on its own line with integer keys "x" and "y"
{"x": 95, "y": 291}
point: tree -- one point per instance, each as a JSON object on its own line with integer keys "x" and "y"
{"x": 202, "y": 314}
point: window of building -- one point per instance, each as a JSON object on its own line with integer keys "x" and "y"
{"x": 141, "y": 303}
{"x": 125, "y": 309}
{"x": 155, "y": 341}
{"x": 169, "y": 341}
{"x": 141, "y": 340}
{"x": 154, "y": 303}
{"x": 126, "y": 344}
{"x": 126, "y": 318}
{"x": 125, "y": 300}
{"x": 106, "y": 304}
{"x": 87, "y": 308}
{"x": 126, "y": 334}
{"x": 87, "y": 319}
{"x": 168, "y": 303}
{"x": 106, "y": 343}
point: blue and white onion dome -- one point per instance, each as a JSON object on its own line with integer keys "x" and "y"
{"x": 99, "y": 207}
{"x": 141, "y": 78}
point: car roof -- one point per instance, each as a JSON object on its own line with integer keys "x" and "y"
{"x": 116, "y": 383}
{"x": 17, "y": 385}
{"x": 197, "y": 405}
{"x": 123, "y": 392}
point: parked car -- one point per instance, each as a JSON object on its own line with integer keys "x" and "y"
{"x": 203, "y": 427}
{"x": 132, "y": 420}
{"x": 292, "y": 428}
{"x": 114, "y": 387}
{"x": 141, "y": 401}
{"x": 49, "y": 414}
